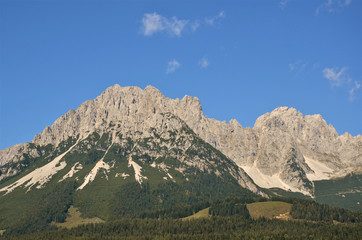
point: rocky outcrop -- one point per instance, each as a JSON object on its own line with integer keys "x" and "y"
{"x": 16, "y": 153}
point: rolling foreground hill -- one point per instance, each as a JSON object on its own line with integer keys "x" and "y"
{"x": 131, "y": 150}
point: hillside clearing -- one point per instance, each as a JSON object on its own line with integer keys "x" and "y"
{"x": 204, "y": 213}
{"x": 271, "y": 209}
{"x": 74, "y": 219}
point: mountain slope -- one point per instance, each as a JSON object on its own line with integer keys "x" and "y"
{"x": 113, "y": 172}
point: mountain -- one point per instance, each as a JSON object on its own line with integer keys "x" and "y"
{"x": 121, "y": 154}
{"x": 129, "y": 139}
{"x": 126, "y": 112}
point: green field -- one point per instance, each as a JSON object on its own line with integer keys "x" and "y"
{"x": 269, "y": 210}
{"x": 204, "y": 213}
{"x": 74, "y": 219}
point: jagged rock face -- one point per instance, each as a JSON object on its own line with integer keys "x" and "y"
{"x": 130, "y": 109}
{"x": 311, "y": 134}
{"x": 311, "y": 137}
{"x": 15, "y": 155}
{"x": 279, "y": 151}
{"x": 264, "y": 151}
{"x": 11, "y": 153}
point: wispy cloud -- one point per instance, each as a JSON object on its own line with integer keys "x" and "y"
{"x": 172, "y": 66}
{"x": 195, "y": 25}
{"x": 212, "y": 20}
{"x": 316, "y": 66}
{"x": 154, "y": 23}
{"x": 283, "y": 3}
{"x": 336, "y": 76}
{"x": 353, "y": 90}
{"x": 332, "y": 6}
{"x": 204, "y": 62}
{"x": 297, "y": 67}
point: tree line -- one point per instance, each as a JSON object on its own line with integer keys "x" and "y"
{"x": 217, "y": 227}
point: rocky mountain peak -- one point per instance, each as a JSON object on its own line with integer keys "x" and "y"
{"x": 234, "y": 123}
{"x": 153, "y": 91}
{"x": 281, "y": 116}
{"x": 292, "y": 121}
{"x": 128, "y": 108}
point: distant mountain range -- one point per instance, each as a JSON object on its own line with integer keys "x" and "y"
{"x": 131, "y": 150}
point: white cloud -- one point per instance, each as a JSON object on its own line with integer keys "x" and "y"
{"x": 176, "y": 26}
{"x": 338, "y": 77}
{"x": 195, "y": 25}
{"x": 212, "y": 20}
{"x": 335, "y": 76}
{"x": 353, "y": 90}
{"x": 283, "y": 3}
{"x": 153, "y": 23}
{"x": 172, "y": 66}
{"x": 332, "y": 6}
{"x": 204, "y": 62}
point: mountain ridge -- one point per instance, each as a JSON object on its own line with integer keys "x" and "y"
{"x": 283, "y": 149}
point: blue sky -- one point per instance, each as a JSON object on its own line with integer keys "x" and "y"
{"x": 240, "y": 58}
